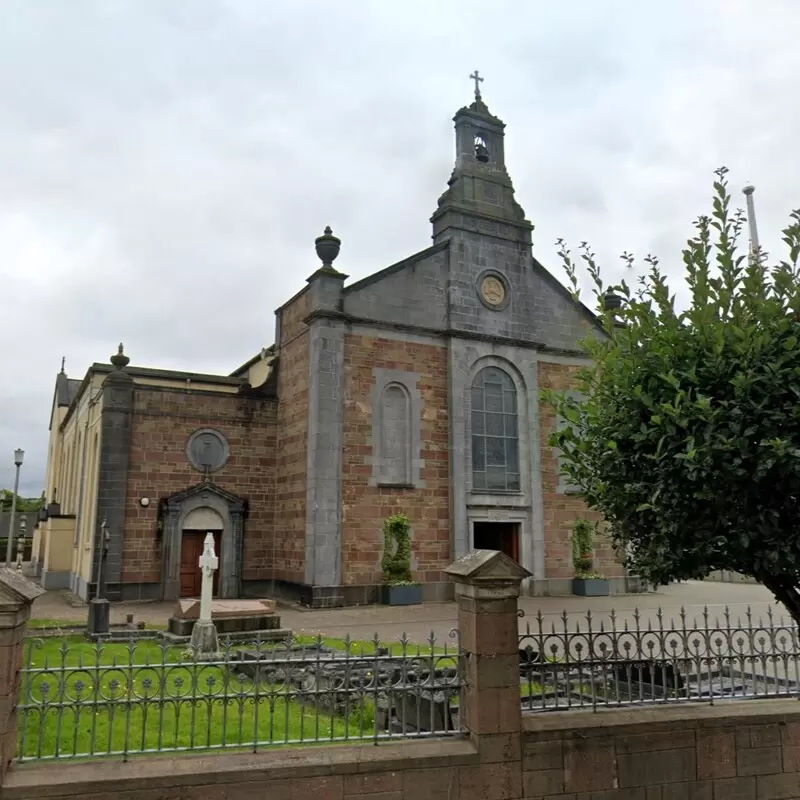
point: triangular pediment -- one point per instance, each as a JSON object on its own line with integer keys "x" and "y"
{"x": 204, "y": 487}
{"x": 487, "y": 565}
{"x": 16, "y": 589}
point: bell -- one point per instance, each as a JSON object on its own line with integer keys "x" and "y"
{"x": 481, "y": 153}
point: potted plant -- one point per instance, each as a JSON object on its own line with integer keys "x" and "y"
{"x": 587, "y": 582}
{"x": 398, "y": 587}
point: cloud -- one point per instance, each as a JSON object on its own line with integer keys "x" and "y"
{"x": 166, "y": 166}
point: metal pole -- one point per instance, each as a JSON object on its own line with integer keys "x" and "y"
{"x": 103, "y": 533}
{"x": 755, "y": 247}
{"x": 11, "y": 521}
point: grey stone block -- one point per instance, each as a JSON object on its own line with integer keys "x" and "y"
{"x": 323, "y": 560}
{"x": 55, "y": 580}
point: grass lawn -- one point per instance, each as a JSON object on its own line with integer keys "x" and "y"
{"x": 79, "y": 699}
{"x": 53, "y": 623}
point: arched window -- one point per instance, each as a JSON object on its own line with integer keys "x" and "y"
{"x": 481, "y": 150}
{"x": 495, "y": 435}
{"x": 395, "y": 444}
{"x": 66, "y": 505}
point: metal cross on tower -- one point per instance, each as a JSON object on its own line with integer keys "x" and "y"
{"x": 478, "y": 80}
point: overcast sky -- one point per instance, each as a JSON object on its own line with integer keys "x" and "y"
{"x": 166, "y": 166}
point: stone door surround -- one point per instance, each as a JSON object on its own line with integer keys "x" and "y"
{"x": 230, "y": 509}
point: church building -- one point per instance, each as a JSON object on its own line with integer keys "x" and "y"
{"x": 415, "y": 390}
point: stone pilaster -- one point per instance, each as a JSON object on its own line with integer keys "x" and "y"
{"x": 487, "y": 585}
{"x": 115, "y": 444}
{"x": 323, "y": 558}
{"x": 16, "y": 596}
{"x": 324, "y": 464}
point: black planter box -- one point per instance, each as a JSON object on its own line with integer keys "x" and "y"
{"x": 590, "y": 587}
{"x": 406, "y": 595}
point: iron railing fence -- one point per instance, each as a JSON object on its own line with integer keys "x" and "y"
{"x": 596, "y": 661}
{"x": 81, "y": 699}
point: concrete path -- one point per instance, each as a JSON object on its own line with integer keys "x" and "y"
{"x": 419, "y": 622}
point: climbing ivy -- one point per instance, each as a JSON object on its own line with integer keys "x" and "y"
{"x": 396, "y": 561}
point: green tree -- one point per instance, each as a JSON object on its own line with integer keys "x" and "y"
{"x": 686, "y": 430}
{"x": 23, "y": 503}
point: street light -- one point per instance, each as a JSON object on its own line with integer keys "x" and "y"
{"x": 23, "y": 530}
{"x": 19, "y": 456}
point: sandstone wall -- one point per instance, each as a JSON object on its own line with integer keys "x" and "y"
{"x": 163, "y": 421}
{"x": 365, "y": 506}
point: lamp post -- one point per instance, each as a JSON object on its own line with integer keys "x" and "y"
{"x": 99, "y": 607}
{"x": 19, "y": 456}
{"x": 23, "y": 530}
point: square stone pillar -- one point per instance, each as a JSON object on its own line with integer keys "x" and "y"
{"x": 487, "y": 585}
{"x": 17, "y": 594}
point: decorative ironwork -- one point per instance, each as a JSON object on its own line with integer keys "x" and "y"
{"x": 596, "y": 661}
{"x": 116, "y": 699}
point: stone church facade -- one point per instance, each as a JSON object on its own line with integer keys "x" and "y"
{"x": 415, "y": 390}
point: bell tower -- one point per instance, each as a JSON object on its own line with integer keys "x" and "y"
{"x": 480, "y": 195}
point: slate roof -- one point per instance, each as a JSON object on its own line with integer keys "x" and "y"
{"x": 31, "y": 517}
{"x": 66, "y": 389}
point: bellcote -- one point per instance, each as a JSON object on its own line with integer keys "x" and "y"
{"x": 480, "y": 194}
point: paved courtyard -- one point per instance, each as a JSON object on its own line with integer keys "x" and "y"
{"x": 440, "y": 618}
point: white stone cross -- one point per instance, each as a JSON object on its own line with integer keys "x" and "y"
{"x": 208, "y": 565}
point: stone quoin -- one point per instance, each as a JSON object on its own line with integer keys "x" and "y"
{"x": 415, "y": 390}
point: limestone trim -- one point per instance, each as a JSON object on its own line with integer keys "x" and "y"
{"x": 479, "y": 288}
{"x": 222, "y": 455}
{"x": 377, "y": 329}
{"x": 465, "y": 360}
{"x": 523, "y": 445}
{"x": 408, "y": 382}
{"x": 517, "y": 515}
{"x": 323, "y": 546}
{"x": 177, "y": 508}
{"x": 548, "y": 357}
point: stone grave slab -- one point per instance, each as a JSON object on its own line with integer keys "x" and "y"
{"x": 229, "y": 616}
{"x": 189, "y": 608}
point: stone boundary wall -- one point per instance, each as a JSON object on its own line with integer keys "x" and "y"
{"x": 413, "y": 770}
{"x": 748, "y": 750}
{"x": 743, "y": 751}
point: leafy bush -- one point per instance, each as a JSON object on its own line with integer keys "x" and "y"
{"x": 687, "y": 437}
{"x": 396, "y": 561}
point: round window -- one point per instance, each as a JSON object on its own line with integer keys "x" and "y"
{"x": 207, "y": 450}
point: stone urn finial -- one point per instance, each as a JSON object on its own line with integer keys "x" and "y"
{"x": 119, "y": 359}
{"x": 612, "y": 301}
{"x": 328, "y": 247}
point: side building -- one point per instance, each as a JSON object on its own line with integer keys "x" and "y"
{"x": 157, "y": 458}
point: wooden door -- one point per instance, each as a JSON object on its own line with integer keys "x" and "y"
{"x": 511, "y": 542}
{"x": 502, "y": 536}
{"x": 192, "y": 543}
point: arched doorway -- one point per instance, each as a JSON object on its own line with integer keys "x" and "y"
{"x": 201, "y": 508}
{"x": 197, "y": 523}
